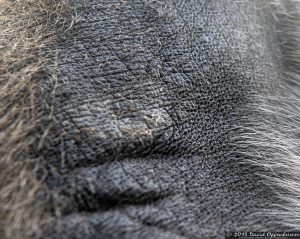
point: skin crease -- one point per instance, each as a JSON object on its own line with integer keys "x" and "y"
{"x": 149, "y": 106}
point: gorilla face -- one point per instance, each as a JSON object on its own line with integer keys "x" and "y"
{"x": 149, "y": 102}
{"x": 150, "y": 112}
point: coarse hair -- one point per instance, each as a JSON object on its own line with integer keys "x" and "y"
{"x": 270, "y": 138}
{"x": 26, "y": 27}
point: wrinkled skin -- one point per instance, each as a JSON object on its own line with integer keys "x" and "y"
{"x": 149, "y": 101}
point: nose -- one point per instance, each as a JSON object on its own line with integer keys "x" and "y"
{"x": 112, "y": 185}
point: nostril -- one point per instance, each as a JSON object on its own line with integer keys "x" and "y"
{"x": 106, "y": 202}
{"x": 111, "y": 186}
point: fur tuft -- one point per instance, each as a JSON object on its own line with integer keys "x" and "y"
{"x": 26, "y": 27}
{"x": 271, "y": 137}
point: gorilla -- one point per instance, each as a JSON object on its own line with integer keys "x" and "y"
{"x": 149, "y": 119}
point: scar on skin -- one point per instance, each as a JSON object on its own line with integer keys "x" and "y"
{"x": 127, "y": 122}
{"x": 144, "y": 123}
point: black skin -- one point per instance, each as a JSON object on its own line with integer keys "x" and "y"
{"x": 148, "y": 105}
